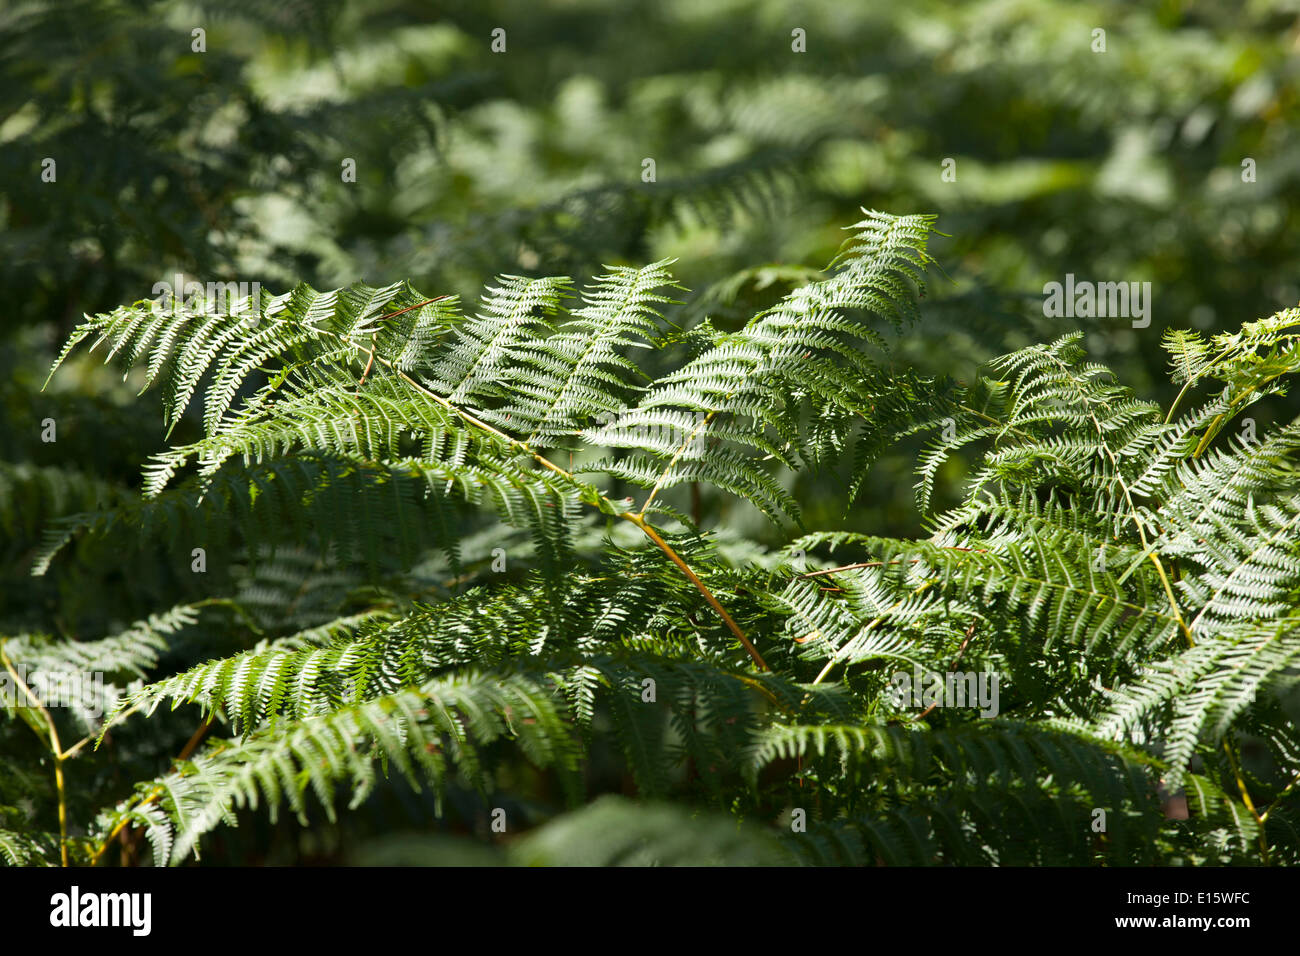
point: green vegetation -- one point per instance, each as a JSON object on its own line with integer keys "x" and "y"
{"x": 528, "y": 559}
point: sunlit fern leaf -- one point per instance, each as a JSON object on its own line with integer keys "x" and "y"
{"x": 1129, "y": 572}
{"x": 425, "y": 734}
{"x": 24, "y": 847}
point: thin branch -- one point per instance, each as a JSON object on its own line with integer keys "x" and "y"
{"x": 1245, "y": 797}
{"x": 55, "y": 748}
{"x": 369, "y": 365}
{"x": 691, "y": 576}
{"x": 1278, "y": 799}
{"x": 190, "y": 745}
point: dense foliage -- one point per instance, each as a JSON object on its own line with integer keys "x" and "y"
{"x": 1128, "y": 572}
{"x": 408, "y": 558}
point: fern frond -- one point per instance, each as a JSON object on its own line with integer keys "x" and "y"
{"x": 426, "y": 734}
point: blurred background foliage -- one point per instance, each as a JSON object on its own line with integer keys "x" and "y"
{"x": 225, "y": 165}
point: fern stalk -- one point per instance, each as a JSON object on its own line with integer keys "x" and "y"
{"x": 638, "y": 520}
{"x": 56, "y": 750}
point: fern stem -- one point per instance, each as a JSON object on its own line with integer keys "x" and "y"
{"x": 1261, "y": 547}
{"x": 1216, "y": 424}
{"x": 1192, "y": 380}
{"x": 1128, "y": 497}
{"x": 880, "y": 564}
{"x": 1169, "y": 594}
{"x": 637, "y": 519}
{"x": 970, "y": 632}
{"x": 875, "y": 621}
{"x": 1241, "y": 783}
{"x": 61, "y": 786}
{"x": 1205, "y": 371}
{"x": 121, "y": 825}
{"x": 1245, "y": 796}
{"x": 676, "y": 559}
{"x": 61, "y": 756}
{"x": 991, "y": 420}
{"x": 55, "y": 748}
{"x": 1278, "y": 799}
{"x": 545, "y": 462}
{"x": 370, "y": 363}
{"x": 190, "y": 745}
{"x": 704, "y": 423}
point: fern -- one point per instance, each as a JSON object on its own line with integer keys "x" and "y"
{"x": 1127, "y": 571}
